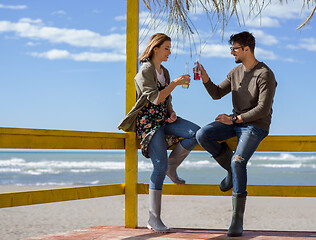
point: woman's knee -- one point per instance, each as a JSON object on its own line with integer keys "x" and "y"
{"x": 161, "y": 168}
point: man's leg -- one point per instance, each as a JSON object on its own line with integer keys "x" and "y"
{"x": 249, "y": 137}
{"x": 207, "y": 137}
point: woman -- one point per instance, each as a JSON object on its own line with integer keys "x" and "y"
{"x": 156, "y": 123}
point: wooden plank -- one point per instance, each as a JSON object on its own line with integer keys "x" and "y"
{"x": 63, "y": 139}
{"x": 131, "y": 179}
{"x": 59, "y": 139}
{"x": 279, "y": 144}
{"x": 213, "y": 190}
{"x": 132, "y": 29}
{"x": 131, "y": 163}
{"x": 58, "y": 195}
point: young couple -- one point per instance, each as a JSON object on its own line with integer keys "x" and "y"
{"x": 157, "y": 125}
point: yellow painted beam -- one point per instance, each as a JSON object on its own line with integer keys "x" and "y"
{"x": 279, "y": 144}
{"x": 63, "y": 139}
{"x": 59, "y": 139}
{"x": 132, "y": 26}
{"x": 288, "y": 144}
{"x": 58, "y": 195}
{"x": 131, "y": 148}
{"x": 213, "y": 190}
{"x": 131, "y": 179}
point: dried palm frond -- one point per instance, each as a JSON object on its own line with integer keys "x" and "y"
{"x": 218, "y": 12}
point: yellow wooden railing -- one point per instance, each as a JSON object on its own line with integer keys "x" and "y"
{"x": 60, "y": 139}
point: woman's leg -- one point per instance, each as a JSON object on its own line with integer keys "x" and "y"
{"x": 158, "y": 153}
{"x": 157, "y": 150}
{"x": 185, "y": 129}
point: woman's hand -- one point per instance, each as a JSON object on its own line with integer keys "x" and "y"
{"x": 172, "y": 118}
{"x": 184, "y": 79}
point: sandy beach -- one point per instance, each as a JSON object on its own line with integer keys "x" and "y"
{"x": 262, "y": 213}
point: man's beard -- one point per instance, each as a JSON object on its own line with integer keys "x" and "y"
{"x": 238, "y": 61}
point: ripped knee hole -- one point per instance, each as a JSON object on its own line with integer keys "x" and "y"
{"x": 238, "y": 159}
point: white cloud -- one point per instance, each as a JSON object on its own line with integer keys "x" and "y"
{"x": 56, "y": 54}
{"x": 120, "y": 18}
{"x": 264, "y": 54}
{"x": 31, "y": 44}
{"x": 274, "y": 12}
{"x": 292, "y": 46}
{"x": 31, "y": 21}
{"x": 59, "y": 12}
{"x": 308, "y": 44}
{"x": 262, "y": 22}
{"x": 287, "y": 10}
{"x": 216, "y": 50}
{"x": 222, "y": 51}
{"x": 264, "y": 38}
{"x": 13, "y": 7}
{"x": 36, "y": 30}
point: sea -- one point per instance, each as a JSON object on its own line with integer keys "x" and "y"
{"x": 92, "y": 167}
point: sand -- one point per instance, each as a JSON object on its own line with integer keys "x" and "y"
{"x": 262, "y": 213}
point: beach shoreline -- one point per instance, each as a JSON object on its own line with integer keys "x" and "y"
{"x": 202, "y": 212}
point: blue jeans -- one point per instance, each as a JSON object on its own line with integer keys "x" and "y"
{"x": 157, "y": 148}
{"x": 249, "y": 138}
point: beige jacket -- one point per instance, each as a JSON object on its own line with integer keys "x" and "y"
{"x": 146, "y": 82}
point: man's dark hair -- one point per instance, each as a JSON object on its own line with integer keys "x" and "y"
{"x": 244, "y": 39}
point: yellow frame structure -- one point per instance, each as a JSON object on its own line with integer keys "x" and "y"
{"x": 60, "y": 139}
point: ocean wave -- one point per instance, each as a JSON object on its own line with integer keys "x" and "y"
{"x": 298, "y": 165}
{"x": 21, "y": 163}
{"x": 285, "y": 156}
{"x": 18, "y": 165}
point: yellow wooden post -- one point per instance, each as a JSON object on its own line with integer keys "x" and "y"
{"x": 131, "y": 165}
{"x": 131, "y": 52}
{"x": 131, "y": 179}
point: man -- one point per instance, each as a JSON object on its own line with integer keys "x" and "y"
{"x": 253, "y": 85}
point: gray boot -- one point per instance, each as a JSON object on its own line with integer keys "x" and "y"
{"x": 176, "y": 157}
{"x": 224, "y": 159}
{"x": 154, "y": 222}
{"x": 236, "y": 226}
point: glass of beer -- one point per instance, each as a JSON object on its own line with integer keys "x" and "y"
{"x": 186, "y": 71}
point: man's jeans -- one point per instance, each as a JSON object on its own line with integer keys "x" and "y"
{"x": 158, "y": 148}
{"x": 248, "y": 138}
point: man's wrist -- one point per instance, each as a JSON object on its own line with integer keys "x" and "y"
{"x": 234, "y": 118}
{"x": 206, "y": 80}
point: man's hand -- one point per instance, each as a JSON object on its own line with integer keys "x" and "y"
{"x": 203, "y": 73}
{"x": 224, "y": 118}
{"x": 172, "y": 118}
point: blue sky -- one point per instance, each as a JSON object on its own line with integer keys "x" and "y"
{"x": 63, "y": 65}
